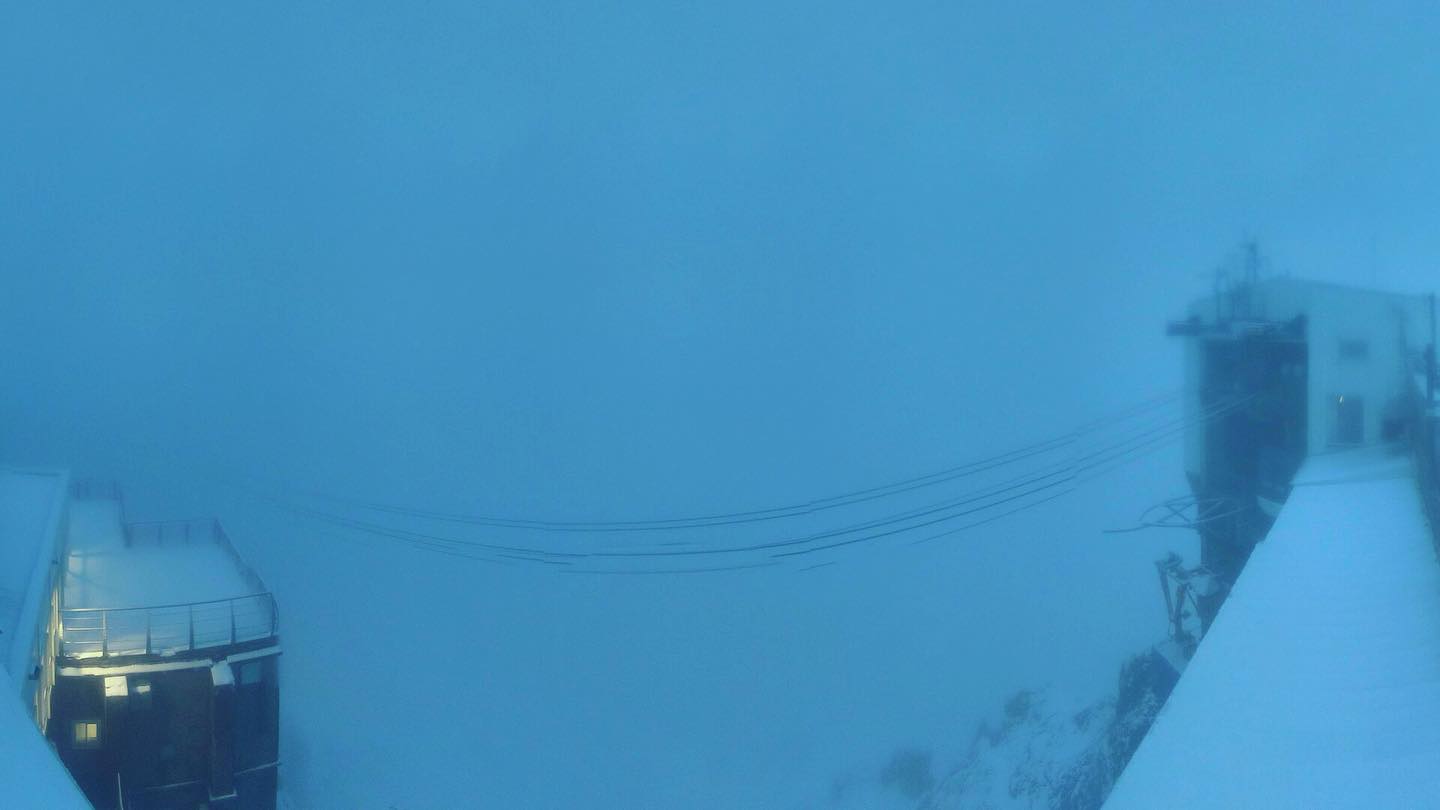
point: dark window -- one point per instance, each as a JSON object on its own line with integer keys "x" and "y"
{"x": 250, "y": 673}
{"x": 1349, "y": 420}
{"x": 257, "y": 712}
{"x": 182, "y": 724}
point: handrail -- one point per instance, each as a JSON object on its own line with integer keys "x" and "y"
{"x": 95, "y": 489}
{"x": 165, "y": 531}
{"x": 1427, "y": 463}
{"x": 163, "y": 607}
{"x": 174, "y": 520}
{"x": 171, "y": 628}
{"x": 162, "y": 630}
{"x": 1425, "y": 440}
{"x": 162, "y": 532}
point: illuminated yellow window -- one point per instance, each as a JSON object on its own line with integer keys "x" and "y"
{"x": 87, "y": 735}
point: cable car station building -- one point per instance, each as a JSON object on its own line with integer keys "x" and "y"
{"x": 1280, "y": 370}
{"x": 158, "y": 679}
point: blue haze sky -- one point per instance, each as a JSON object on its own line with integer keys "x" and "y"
{"x": 654, "y": 259}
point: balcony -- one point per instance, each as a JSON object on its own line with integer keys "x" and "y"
{"x": 166, "y": 630}
{"x": 157, "y": 589}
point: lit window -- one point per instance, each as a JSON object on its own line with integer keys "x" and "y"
{"x": 115, "y": 686}
{"x": 87, "y": 735}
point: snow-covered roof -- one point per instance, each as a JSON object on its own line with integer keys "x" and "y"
{"x": 103, "y": 570}
{"x": 1284, "y": 294}
{"x": 32, "y": 505}
{"x": 1318, "y": 685}
{"x": 154, "y": 588}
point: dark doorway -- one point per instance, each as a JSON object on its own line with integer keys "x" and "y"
{"x": 1349, "y": 420}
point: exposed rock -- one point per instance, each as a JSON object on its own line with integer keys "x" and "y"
{"x": 1050, "y": 753}
{"x": 909, "y": 772}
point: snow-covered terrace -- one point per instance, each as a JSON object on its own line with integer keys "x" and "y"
{"x": 1319, "y": 683}
{"x": 155, "y": 588}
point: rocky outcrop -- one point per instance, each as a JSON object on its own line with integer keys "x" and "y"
{"x": 1049, "y": 752}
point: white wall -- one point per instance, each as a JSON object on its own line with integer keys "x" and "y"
{"x": 1389, "y": 324}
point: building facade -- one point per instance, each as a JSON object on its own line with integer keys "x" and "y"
{"x": 159, "y": 685}
{"x": 1280, "y": 370}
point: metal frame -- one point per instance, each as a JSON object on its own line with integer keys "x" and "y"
{"x": 1188, "y": 585}
{"x": 1184, "y": 512}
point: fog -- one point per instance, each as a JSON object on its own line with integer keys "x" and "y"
{"x": 656, "y": 260}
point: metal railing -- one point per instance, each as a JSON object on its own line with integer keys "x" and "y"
{"x": 91, "y": 489}
{"x": 184, "y": 532}
{"x": 174, "y": 532}
{"x": 1425, "y": 434}
{"x": 172, "y": 629}
{"x": 1427, "y": 466}
{"x": 166, "y": 630}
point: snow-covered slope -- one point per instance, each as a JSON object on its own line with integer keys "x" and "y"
{"x": 1054, "y": 751}
{"x": 1028, "y": 758}
{"x": 31, "y": 505}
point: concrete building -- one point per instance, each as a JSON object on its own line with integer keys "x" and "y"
{"x": 151, "y": 664}
{"x": 1279, "y": 370}
{"x": 1314, "y": 467}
